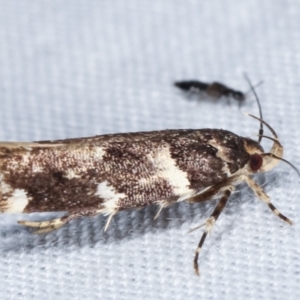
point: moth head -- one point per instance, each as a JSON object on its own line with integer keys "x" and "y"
{"x": 259, "y": 161}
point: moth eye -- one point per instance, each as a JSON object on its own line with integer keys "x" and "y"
{"x": 255, "y": 162}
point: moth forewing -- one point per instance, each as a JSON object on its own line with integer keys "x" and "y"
{"x": 109, "y": 173}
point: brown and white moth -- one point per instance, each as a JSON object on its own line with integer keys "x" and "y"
{"x": 109, "y": 173}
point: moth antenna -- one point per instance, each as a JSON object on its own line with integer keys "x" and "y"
{"x": 264, "y": 122}
{"x": 261, "y": 129}
{"x": 277, "y": 148}
{"x": 272, "y": 139}
{"x": 282, "y": 159}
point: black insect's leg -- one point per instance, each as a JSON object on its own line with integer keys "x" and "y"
{"x": 209, "y": 225}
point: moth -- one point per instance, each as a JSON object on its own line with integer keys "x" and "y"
{"x": 108, "y": 173}
{"x": 214, "y": 90}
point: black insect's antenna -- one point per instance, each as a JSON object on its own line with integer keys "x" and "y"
{"x": 261, "y": 129}
{"x": 255, "y": 86}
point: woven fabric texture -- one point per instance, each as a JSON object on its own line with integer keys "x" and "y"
{"x": 83, "y": 68}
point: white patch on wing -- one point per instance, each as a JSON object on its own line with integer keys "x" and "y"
{"x": 226, "y": 170}
{"x": 167, "y": 169}
{"x": 70, "y": 174}
{"x": 111, "y": 197}
{"x": 99, "y": 152}
{"x": 12, "y": 201}
{"x": 221, "y": 150}
{"x": 15, "y": 164}
{"x": 4, "y": 187}
{"x": 17, "y": 202}
{"x": 37, "y": 169}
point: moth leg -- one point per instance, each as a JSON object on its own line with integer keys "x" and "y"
{"x": 210, "y": 223}
{"x": 44, "y": 226}
{"x": 260, "y": 193}
{"x": 215, "y": 190}
{"x": 47, "y": 226}
{"x": 108, "y": 221}
{"x": 162, "y": 205}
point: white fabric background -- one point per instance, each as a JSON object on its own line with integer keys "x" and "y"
{"x": 81, "y": 68}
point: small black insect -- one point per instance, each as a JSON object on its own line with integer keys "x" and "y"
{"x": 215, "y": 89}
